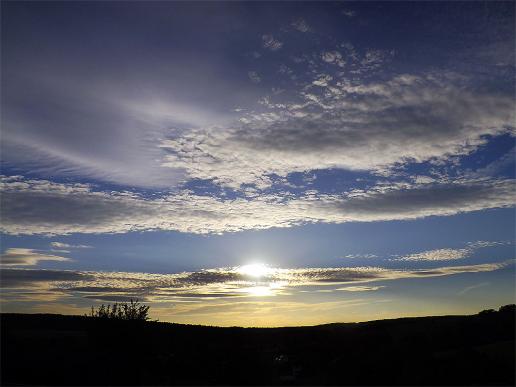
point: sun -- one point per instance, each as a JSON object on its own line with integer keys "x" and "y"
{"x": 255, "y": 270}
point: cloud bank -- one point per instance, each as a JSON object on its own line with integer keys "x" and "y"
{"x": 212, "y": 283}
{"x": 44, "y": 207}
{"x": 333, "y": 122}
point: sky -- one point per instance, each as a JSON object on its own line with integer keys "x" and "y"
{"x": 258, "y": 163}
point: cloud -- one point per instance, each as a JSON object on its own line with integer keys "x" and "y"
{"x": 334, "y": 57}
{"x": 451, "y": 254}
{"x": 342, "y": 108}
{"x": 437, "y": 255}
{"x": 360, "y": 288}
{"x": 44, "y": 207}
{"x": 495, "y": 167}
{"x": 338, "y": 111}
{"x": 215, "y": 283}
{"x": 61, "y": 245}
{"x": 348, "y": 13}
{"x": 472, "y": 287}
{"x": 322, "y": 80}
{"x": 254, "y": 77}
{"x": 483, "y": 244}
{"x": 272, "y": 44}
{"x": 97, "y": 122}
{"x": 424, "y": 179}
{"x": 27, "y": 257}
{"x": 120, "y": 130}
{"x": 367, "y": 256}
{"x": 17, "y": 278}
{"x": 301, "y": 25}
{"x": 334, "y": 122}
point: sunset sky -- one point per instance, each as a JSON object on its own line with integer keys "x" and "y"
{"x": 258, "y": 164}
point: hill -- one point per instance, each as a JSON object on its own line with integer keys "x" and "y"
{"x": 76, "y": 350}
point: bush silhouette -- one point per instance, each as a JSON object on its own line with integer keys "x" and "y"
{"x": 132, "y": 310}
{"x": 511, "y": 308}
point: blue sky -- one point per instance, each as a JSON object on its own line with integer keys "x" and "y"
{"x": 158, "y": 149}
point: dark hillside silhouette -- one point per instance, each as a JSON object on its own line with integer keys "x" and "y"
{"x": 75, "y": 350}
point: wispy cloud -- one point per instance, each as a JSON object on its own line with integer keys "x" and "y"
{"x": 483, "y": 244}
{"x": 254, "y": 77}
{"x": 61, "y": 245}
{"x": 271, "y": 43}
{"x": 451, "y": 254}
{"x": 348, "y": 13}
{"x": 301, "y": 25}
{"x": 472, "y": 287}
{"x": 359, "y": 256}
{"x": 360, "y": 288}
{"x": 27, "y": 257}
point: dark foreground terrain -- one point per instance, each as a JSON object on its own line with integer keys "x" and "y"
{"x": 73, "y": 350}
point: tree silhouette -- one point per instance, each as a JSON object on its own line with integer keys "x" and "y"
{"x": 511, "y": 308}
{"x": 132, "y": 310}
{"x": 487, "y": 311}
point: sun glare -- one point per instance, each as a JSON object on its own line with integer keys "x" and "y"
{"x": 255, "y": 270}
{"x": 259, "y": 291}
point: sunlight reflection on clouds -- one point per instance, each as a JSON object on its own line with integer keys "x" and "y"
{"x": 209, "y": 283}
